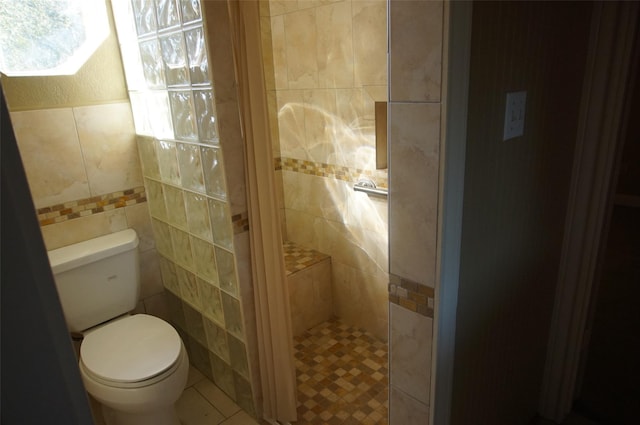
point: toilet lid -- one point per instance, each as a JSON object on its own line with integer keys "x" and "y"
{"x": 132, "y": 349}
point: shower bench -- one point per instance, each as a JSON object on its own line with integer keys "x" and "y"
{"x": 309, "y": 283}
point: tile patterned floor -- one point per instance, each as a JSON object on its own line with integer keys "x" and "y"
{"x": 342, "y": 376}
{"x": 298, "y": 258}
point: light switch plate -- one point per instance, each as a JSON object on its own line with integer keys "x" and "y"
{"x": 514, "y": 115}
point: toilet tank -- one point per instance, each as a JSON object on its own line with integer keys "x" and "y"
{"x": 97, "y": 279}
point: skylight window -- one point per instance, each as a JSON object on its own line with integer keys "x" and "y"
{"x": 50, "y": 37}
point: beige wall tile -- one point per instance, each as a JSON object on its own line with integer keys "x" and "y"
{"x": 334, "y": 45}
{"x": 279, "y": 53}
{"x": 83, "y": 228}
{"x": 109, "y": 148}
{"x": 291, "y": 126}
{"x": 278, "y": 7}
{"x": 310, "y": 296}
{"x": 405, "y": 410}
{"x": 150, "y": 278}
{"x": 410, "y": 352}
{"x": 414, "y": 145}
{"x": 156, "y": 305}
{"x": 138, "y": 219}
{"x": 321, "y": 125}
{"x": 370, "y": 42}
{"x": 48, "y": 141}
{"x": 416, "y": 50}
{"x": 301, "y": 41}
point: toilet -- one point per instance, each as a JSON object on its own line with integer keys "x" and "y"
{"x": 135, "y": 365}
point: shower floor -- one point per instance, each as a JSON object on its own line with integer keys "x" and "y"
{"x": 342, "y": 375}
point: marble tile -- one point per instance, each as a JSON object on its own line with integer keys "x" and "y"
{"x": 322, "y": 129}
{"x": 291, "y": 123}
{"x": 410, "y": 352}
{"x": 198, "y": 215}
{"x": 174, "y": 201}
{"x": 334, "y": 45}
{"x": 138, "y": 219}
{"x": 83, "y": 228}
{"x": 370, "y": 42}
{"x": 47, "y": 140}
{"x": 301, "y": 42}
{"x": 217, "y": 398}
{"x": 279, "y": 52}
{"x": 279, "y": 7}
{"x": 108, "y": 142}
{"x": 168, "y": 162}
{"x": 414, "y": 145}
{"x": 193, "y": 409}
{"x": 405, "y": 410}
{"x": 415, "y": 73}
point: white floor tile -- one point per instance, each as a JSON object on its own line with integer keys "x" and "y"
{"x": 193, "y": 409}
{"x": 217, "y": 398}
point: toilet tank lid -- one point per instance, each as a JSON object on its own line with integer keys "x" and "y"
{"x": 79, "y": 254}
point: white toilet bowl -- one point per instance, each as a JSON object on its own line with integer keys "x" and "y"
{"x": 137, "y": 368}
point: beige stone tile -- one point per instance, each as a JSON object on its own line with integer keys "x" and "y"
{"x": 138, "y": 219}
{"x": 217, "y": 398}
{"x": 240, "y": 418}
{"x": 291, "y": 124}
{"x": 83, "y": 228}
{"x": 415, "y": 50}
{"x": 272, "y": 110}
{"x": 150, "y": 277}
{"x": 267, "y": 52}
{"x": 51, "y": 155}
{"x": 301, "y": 42}
{"x": 368, "y": 212}
{"x": 303, "y": 228}
{"x": 334, "y": 45}
{"x": 414, "y": 145}
{"x": 370, "y": 42}
{"x": 322, "y": 128}
{"x": 193, "y": 409}
{"x": 279, "y": 53}
{"x": 108, "y": 141}
{"x": 278, "y": 7}
{"x": 410, "y": 352}
{"x": 405, "y": 410}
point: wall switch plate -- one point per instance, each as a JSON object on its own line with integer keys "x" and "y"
{"x": 514, "y": 115}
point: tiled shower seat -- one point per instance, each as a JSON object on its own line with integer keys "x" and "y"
{"x": 309, "y": 283}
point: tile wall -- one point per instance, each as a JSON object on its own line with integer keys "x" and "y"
{"x": 186, "y": 114}
{"x": 326, "y": 65}
{"x": 85, "y": 180}
{"x": 414, "y": 153}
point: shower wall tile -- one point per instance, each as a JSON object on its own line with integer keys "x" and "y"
{"x": 410, "y": 352}
{"x": 169, "y": 275}
{"x": 48, "y": 140}
{"x": 415, "y": 73}
{"x": 415, "y": 135}
{"x": 188, "y": 287}
{"x": 334, "y": 45}
{"x": 174, "y": 55}
{"x": 369, "y": 35}
{"x": 195, "y": 324}
{"x": 155, "y": 196}
{"x": 150, "y": 277}
{"x": 107, "y": 139}
{"x": 226, "y": 271}
{"x": 220, "y": 223}
{"x": 217, "y": 340}
{"x": 183, "y": 114}
{"x": 213, "y": 172}
{"x": 223, "y": 375}
{"x": 211, "y": 302}
{"x": 279, "y": 48}
{"x": 167, "y": 13}
{"x": 157, "y": 305}
{"x": 406, "y": 410}
{"x": 238, "y": 356}
{"x": 302, "y": 63}
{"x": 162, "y": 233}
{"x": 244, "y": 396}
{"x": 232, "y": 314}
{"x": 205, "y": 260}
{"x": 291, "y": 123}
{"x": 183, "y": 253}
{"x": 191, "y": 10}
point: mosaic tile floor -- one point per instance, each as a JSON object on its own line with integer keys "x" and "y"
{"x": 298, "y": 258}
{"x": 342, "y": 376}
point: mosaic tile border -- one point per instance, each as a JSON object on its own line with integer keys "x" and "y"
{"x": 411, "y": 295}
{"x": 89, "y": 206}
{"x": 240, "y": 223}
{"x": 380, "y": 177}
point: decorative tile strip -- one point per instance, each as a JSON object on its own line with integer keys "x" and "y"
{"x": 380, "y": 177}
{"x": 89, "y": 206}
{"x": 240, "y": 223}
{"x": 411, "y": 295}
{"x": 297, "y": 258}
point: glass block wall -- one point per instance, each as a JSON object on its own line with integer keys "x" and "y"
{"x": 163, "y": 45}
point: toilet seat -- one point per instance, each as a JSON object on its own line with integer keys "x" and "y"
{"x": 132, "y": 352}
